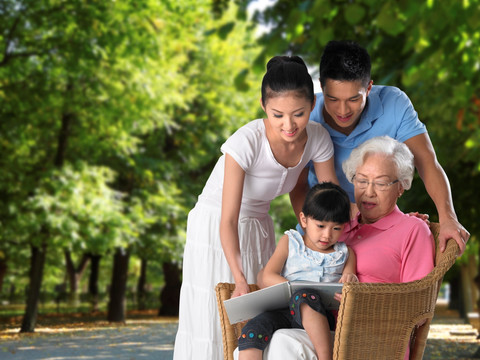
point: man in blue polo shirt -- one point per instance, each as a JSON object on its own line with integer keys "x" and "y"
{"x": 353, "y": 110}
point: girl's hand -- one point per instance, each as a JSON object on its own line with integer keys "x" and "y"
{"x": 348, "y": 277}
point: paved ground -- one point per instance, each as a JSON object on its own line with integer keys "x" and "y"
{"x": 449, "y": 339}
{"x": 138, "y": 340}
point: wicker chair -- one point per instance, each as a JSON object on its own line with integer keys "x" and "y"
{"x": 375, "y": 321}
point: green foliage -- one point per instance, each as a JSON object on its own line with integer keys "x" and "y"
{"x": 283, "y": 215}
{"x": 112, "y": 114}
{"x": 430, "y": 49}
{"x": 80, "y": 210}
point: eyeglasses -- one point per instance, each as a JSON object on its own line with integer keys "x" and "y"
{"x": 377, "y": 185}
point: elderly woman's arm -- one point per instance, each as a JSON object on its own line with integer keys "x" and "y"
{"x": 418, "y": 253}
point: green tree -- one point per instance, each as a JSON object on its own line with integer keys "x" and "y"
{"x": 430, "y": 49}
{"x": 110, "y": 115}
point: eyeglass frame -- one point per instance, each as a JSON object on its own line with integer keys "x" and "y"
{"x": 375, "y": 185}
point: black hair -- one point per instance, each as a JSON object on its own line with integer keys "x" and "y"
{"x": 287, "y": 73}
{"x": 345, "y": 61}
{"x": 327, "y": 202}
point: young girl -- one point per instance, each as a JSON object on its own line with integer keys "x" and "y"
{"x": 230, "y": 235}
{"x": 316, "y": 257}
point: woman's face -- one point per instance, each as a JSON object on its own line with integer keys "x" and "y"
{"x": 373, "y": 203}
{"x": 288, "y": 115}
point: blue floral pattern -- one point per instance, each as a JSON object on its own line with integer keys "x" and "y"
{"x": 305, "y": 264}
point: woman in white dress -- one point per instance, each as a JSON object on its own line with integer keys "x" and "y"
{"x": 230, "y": 235}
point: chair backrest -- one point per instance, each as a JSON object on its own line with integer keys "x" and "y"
{"x": 379, "y": 321}
{"x": 375, "y": 321}
{"x": 230, "y": 333}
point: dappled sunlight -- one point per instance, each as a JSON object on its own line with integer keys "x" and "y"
{"x": 449, "y": 341}
{"x": 138, "y": 339}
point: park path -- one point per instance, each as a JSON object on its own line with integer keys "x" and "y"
{"x": 137, "y": 340}
{"x": 449, "y": 339}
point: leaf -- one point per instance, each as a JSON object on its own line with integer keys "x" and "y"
{"x": 354, "y": 13}
{"x": 240, "y": 80}
{"x": 224, "y": 30}
{"x": 389, "y": 20}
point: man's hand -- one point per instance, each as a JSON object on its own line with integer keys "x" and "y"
{"x": 423, "y": 217}
{"x": 452, "y": 229}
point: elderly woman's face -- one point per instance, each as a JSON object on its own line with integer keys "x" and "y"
{"x": 373, "y": 203}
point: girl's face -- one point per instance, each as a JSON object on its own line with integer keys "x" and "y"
{"x": 287, "y": 115}
{"x": 320, "y": 235}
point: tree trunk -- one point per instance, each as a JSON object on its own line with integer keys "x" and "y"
{"x": 472, "y": 274}
{"x": 456, "y": 295}
{"x": 118, "y": 287}
{"x": 3, "y": 271}
{"x": 74, "y": 274}
{"x": 466, "y": 289}
{"x": 170, "y": 295}
{"x": 37, "y": 263}
{"x": 93, "y": 280}
{"x": 64, "y": 134}
{"x": 477, "y": 282}
{"x": 142, "y": 281}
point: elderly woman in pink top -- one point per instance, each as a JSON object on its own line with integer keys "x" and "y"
{"x": 391, "y": 247}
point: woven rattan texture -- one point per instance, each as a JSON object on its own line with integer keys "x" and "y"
{"x": 375, "y": 321}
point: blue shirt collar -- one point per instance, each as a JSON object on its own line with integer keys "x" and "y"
{"x": 372, "y": 111}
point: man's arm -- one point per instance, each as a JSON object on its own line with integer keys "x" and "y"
{"x": 438, "y": 187}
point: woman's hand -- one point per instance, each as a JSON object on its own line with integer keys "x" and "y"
{"x": 241, "y": 288}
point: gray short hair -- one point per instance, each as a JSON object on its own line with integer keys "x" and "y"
{"x": 400, "y": 154}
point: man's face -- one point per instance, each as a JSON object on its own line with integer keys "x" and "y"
{"x": 344, "y": 102}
